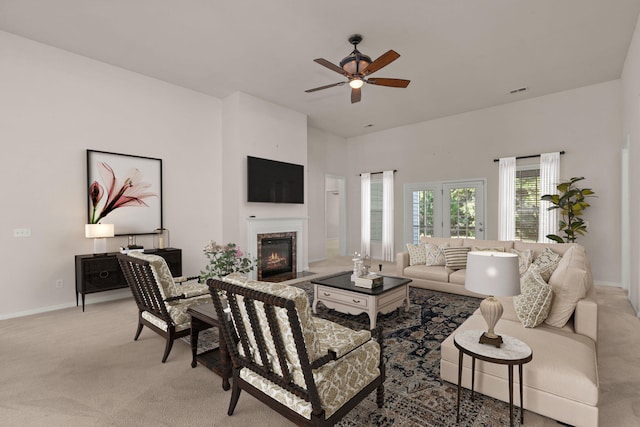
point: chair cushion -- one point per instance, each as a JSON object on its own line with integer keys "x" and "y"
{"x": 303, "y": 308}
{"x": 337, "y": 382}
{"x": 161, "y": 273}
{"x": 337, "y": 338}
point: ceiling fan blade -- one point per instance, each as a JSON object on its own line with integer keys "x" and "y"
{"x": 356, "y": 94}
{"x": 331, "y": 66}
{"x": 324, "y": 87}
{"x": 389, "y": 82}
{"x": 384, "y": 60}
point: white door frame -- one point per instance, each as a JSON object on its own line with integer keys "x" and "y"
{"x": 342, "y": 211}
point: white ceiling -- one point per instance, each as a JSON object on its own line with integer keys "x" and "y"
{"x": 460, "y": 55}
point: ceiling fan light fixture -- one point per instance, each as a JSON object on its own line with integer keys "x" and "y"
{"x": 355, "y": 63}
{"x": 356, "y": 83}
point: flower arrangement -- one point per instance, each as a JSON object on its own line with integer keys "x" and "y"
{"x": 225, "y": 260}
{"x": 130, "y": 193}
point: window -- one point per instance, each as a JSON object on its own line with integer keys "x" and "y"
{"x": 376, "y": 210}
{"x": 422, "y": 215}
{"x": 527, "y": 202}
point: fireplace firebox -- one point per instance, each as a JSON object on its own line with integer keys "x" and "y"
{"x": 276, "y": 256}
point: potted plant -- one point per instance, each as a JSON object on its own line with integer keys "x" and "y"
{"x": 571, "y": 202}
{"x": 223, "y": 260}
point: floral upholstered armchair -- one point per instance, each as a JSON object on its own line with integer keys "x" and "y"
{"x": 162, "y": 301}
{"x": 310, "y": 370}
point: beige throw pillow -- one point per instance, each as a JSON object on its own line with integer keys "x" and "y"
{"x": 456, "y": 258}
{"x": 435, "y": 254}
{"x": 569, "y": 283}
{"x": 534, "y": 303}
{"x": 524, "y": 259}
{"x": 546, "y": 263}
{"x": 417, "y": 254}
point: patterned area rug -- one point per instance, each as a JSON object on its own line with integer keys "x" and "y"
{"x": 414, "y": 393}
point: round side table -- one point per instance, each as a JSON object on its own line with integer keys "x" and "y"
{"x": 512, "y": 352}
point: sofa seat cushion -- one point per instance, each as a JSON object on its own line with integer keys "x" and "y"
{"x": 563, "y": 364}
{"x": 438, "y": 273}
{"x": 337, "y": 382}
{"x": 458, "y": 276}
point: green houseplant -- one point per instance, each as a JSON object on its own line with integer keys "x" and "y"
{"x": 571, "y": 202}
{"x": 223, "y": 260}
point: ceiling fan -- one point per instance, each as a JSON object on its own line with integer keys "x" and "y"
{"x": 358, "y": 67}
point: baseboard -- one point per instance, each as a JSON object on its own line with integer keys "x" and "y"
{"x": 610, "y": 284}
{"x": 89, "y": 299}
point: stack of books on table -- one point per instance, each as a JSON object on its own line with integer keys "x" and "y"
{"x": 369, "y": 281}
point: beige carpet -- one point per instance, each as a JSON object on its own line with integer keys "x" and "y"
{"x": 68, "y": 368}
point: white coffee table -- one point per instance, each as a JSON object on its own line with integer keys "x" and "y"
{"x": 512, "y": 352}
{"x": 339, "y": 293}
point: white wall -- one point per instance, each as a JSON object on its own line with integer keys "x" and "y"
{"x": 327, "y": 154}
{"x": 585, "y": 122}
{"x": 254, "y": 127}
{"x": 55, "y": 105}
{"x": 631, "y": 128}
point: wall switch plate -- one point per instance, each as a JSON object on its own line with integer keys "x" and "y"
{"x": 21, "y": 232}
{"x": 59, "y": 283}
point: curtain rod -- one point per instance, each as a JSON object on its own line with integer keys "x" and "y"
{"x": 375, "y": 173}
{"x": 527, "y": 157}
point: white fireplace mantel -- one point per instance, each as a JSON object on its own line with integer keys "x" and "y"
{"x": 266, "y": 225}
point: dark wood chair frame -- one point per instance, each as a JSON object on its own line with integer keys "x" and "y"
{"x": 145, "y": 290}
{"x": 253, "y": 361}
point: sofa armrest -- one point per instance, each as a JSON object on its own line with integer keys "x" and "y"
{"x": 585, "y": 316}
{"x": 402, "y": 262}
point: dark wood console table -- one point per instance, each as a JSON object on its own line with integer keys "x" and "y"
{"x": 101, "y": 272}
{"x": 218, "y": 360}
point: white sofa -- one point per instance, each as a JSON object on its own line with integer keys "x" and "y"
{"x": 561, "y": 382}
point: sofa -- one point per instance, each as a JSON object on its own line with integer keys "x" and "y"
{"x": 561, "y": 381}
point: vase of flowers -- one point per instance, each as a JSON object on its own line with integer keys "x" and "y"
{"x": 223, "y": 260}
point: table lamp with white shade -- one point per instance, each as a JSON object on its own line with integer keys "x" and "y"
{"x": 496, "y": 274}
{"x": 99, "y": 233}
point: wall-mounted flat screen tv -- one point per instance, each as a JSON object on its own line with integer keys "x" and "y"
{"x": 271, "y": 181}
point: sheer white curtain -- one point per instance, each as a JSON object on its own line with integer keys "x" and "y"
{"x": 549, "y": 178}
{"x": 387, "y": 216}
{"x": 365, "y": 212}
{"x": 507, "y": 199}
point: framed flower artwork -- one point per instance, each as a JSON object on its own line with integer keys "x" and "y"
{"x": 124, "y": 190}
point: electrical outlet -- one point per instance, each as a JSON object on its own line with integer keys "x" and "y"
{"x": 59, "y": 283}
{"x": 21, "y": 232}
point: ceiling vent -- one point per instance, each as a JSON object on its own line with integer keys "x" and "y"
{"x": 518, "y": 90}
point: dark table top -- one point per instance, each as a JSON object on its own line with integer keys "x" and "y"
{"x": 205, "y": 312}
{"x": 343, "y": 281}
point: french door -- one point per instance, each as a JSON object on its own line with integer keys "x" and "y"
{"x": 445, "y": 209}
